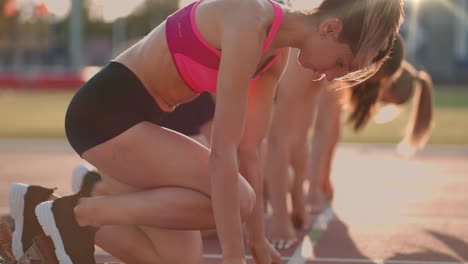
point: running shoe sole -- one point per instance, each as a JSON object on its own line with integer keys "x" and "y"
{"x": 47, "y": 220}
{"x": 77, "y": 177}
{"x": 16, "y": 203}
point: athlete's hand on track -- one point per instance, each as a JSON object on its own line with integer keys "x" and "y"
{"x": 264, "y": 253}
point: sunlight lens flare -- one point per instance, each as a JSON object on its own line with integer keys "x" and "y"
{"x": 458, "y": 12}
{"x": 183, "y": 3}
{"x": 88, "y": 72}
{"x": 58, "y": 8}
{"x": 304, "y": 4}
{"x": 449, "y": 4}
{"x": 110, "y": 10}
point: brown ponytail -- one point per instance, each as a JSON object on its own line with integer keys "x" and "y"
{"x": 363, "y": 100}
{"x": 420, "y": 123}
{"x": 364, "y": 96}
{"x": 391, "y": 66}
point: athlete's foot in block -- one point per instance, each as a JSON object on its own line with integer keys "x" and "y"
{"x": 73, "y": 242}
{"x": 87, "y": 181}
{"x": 282, "y": 234}
{"x": 23, "y": 200}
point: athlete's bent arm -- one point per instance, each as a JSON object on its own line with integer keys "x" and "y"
{"x": 259, "y": 111}
{"x": 241, "y": 44}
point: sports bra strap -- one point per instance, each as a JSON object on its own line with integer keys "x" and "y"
{"x": 275, "y": 25}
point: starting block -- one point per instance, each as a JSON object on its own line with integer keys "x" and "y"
{"x": 42, "y": 250}
{"x": 6, "y": 254}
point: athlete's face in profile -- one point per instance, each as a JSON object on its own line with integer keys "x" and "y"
{"x": 327, "y": 58}
{"x": 324, "y": 55}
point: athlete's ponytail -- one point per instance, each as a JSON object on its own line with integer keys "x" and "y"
{"x": 362, "y": 101}
{"x": 420, "y": 123}
{"x": 364, "y": 96}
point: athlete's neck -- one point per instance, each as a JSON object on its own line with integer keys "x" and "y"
{"x": 294, "y": 30}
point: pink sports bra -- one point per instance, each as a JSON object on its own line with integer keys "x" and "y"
{"x": 197, "y": 61}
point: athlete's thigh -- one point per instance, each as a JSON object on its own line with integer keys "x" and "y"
{"x": 153, "y": 245}
{"x": 128, "y": 243}
{"x": 148, "y": 156}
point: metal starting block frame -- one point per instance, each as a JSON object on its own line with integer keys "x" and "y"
{"x": 6, "y": 254}
{"x": 42, "y": 250}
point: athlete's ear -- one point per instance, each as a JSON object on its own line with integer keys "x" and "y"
{"x": 330, "y": 27}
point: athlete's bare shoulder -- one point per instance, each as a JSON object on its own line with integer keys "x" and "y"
{"x": 256, "y": 12}
{"x": 250, "y": 6}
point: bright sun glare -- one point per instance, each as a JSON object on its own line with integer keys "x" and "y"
{"x": 110, "y": 10}
{"x": 58, "y": 8}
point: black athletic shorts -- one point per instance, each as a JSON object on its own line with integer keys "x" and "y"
{"x": 114, "y": 100}
{"x": 189, "y": 117}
